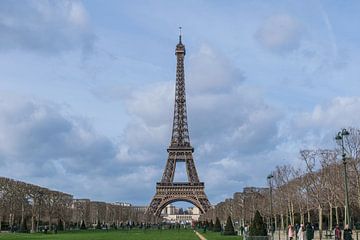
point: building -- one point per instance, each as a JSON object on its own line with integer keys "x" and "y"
{"x": 172, "y": 214}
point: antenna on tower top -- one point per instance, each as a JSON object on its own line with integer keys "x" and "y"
{"x": 179, "y": 34}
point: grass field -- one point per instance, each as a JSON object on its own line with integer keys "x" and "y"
{"x": 119, "y": 235}
{"x": 110, "y": 235}
{"x": 217, "y": 236}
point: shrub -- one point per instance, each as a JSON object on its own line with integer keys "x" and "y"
{"x": 229, "y": 227}
{"x": 258, "y": 227}
{"x": 23, "y": 226}
{"x": 211, "y": 225}
{"x": 60, "y": 225}
{"x": 98, "y": 225}
{"x": 217, "y": 227}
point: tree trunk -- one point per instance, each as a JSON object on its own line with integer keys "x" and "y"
{"x": 50, "y": 218}
{"x": 301, "y": 217}
{"x": 330, "y": 217}
{"x": 33, "y": 215}
{"x": 292, "y": 214}
{"x": 358, "y": 189}
{"x": 337, "y": 215}
{"x": 11, "y": 223}
{"x": 289, "y": 213}
{"x": 308, "y": 216}
{"x": 345, "y": 215}
{"x": 282, "y": 221}
{"x": 22, "y": 216}
{"x": 320, "y": 222}
{"x": 38, "y": 221}
{"x": 32, "y": 224}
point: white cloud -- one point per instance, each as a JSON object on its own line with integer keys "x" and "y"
{"x": 210, "y": 72}
{"x": 147, "y": 133}
{"x": 45, "y": 26}
{"x": 317, "y": 128}
{"x": 280, "y": 33}
{"x": 340, "y": 112}
{"x": 41, "y": 144}
{"x": 152, "y": 104}
{"x": 77, "y": 14}
{"x": 37, "y": 139}
{"x": 314, "y": 129}
{"x": 236, "y": 120}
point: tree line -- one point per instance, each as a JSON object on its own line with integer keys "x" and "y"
{"x": 29, "y": 208}
{"x": 312, "y": 192}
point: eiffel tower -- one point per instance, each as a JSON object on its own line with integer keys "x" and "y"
{"x": 180, "y": 150}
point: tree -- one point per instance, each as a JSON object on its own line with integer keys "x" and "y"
{"x": 229, "y": 228}
{"x": 211, "y": 225}
{"x": 98, "y": 225}
{"x": 217, "y": 227}
{"x": 83, "y": 226}
{"x": 206, "y": 224}
{"x": 258, "y": 227}
{"x": 23, "y": 226}
{"x": 60, "y": 225}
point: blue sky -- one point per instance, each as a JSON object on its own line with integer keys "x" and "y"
{"x": 87, "y": 90}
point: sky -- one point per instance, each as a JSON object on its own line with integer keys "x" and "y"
{"x": 87, "y": 90}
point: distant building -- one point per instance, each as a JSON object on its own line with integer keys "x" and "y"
{"x": 123, "y": 204}
{"x": 171, "y": 214}
{"x": 170, "y": 210}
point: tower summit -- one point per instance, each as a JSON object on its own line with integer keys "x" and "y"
{"x": 180, "y": 150}
{"x": 180, "y": 132}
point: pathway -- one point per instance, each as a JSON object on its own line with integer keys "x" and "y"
{"x": 201, "y": 237}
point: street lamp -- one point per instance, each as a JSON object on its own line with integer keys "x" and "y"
{"x": 271, "y": 204}
{"x": 340, "y": 140}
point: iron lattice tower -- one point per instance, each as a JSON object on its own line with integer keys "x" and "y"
{"x": 180, "y": 150}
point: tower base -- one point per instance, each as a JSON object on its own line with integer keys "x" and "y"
{"x": 167, "y": 193}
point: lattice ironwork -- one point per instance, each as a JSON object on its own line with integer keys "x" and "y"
{"x": 180, "y": 150}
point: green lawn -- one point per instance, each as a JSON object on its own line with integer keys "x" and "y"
{"x": 216, "y": 235}
{"x": 111, "y": 235}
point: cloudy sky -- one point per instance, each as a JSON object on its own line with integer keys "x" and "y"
{"x": 87, "y": 90}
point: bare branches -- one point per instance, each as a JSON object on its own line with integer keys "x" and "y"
{"x": 20, "y": 201}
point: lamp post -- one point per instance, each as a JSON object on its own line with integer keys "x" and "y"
{"x": 271, "y": 204}
{"x": 340, "y": 139}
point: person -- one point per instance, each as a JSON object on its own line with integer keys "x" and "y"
{"x": 347, "y": 233}
{"x": 205, "y": 227}
{"x": 246, "y": 231}
{"x": 301, "y": 232}
{"x": 242, "y": 230}
{"x": 297, "y": 226}
{"x": 309, "y": 232}
{"x": 291, "y": 232}
{"x": 337, "y": 232}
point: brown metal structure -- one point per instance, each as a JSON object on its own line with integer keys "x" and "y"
{"x": 180, "y": 150}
